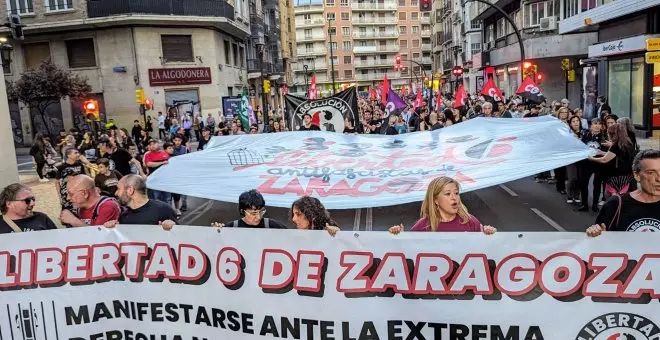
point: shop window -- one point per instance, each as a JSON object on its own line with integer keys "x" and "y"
{"x": 656, "y": 96}
{"x": 177, "y": 48}
{"x": 81, "y": 53}
{"x": 624, "y": 98}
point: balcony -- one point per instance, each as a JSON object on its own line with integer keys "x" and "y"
{"x": 373, "y": 20}
{"x": 426, "y": 47}
{"x": 253, "y": 66}
{"x": 202, "y": 8}
{"x": 308, "y": 9}
{"x": 374, "y": 6}
{"x": 310, "y": 38}
{"x": 320, "y": 78}
{"x": 312, "y": 51}
{"x": 310, "y": 22}
{"x": 427, "y": 60}
{"x": 377, "y": 76}
{"x": 319, "y": 65}
{"x": 375, "y": 48}
{"x": 426, "y": 33}
{"x": 425, "y": 20}
{"x": 376, "y": 35}
{"x": 373, "y": 63}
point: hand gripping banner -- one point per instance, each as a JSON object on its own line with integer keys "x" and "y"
{"x": 199, "y": 283}
{"x": 362, "y": 171}
{"x": 329, "y": 112}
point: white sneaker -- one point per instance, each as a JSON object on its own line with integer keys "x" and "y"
{"x": 578, "y": 201}
{"x": 601, "y": 203}
{"x": 569, "y": 201}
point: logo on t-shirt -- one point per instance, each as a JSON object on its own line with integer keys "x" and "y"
{"x": 645, "y": 225}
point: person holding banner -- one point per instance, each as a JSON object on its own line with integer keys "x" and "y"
{"x": 638, "y": 210}
{"x": 307, "y": 124}
{"x": 307, "y": 213}
{"x": 132, "y": 192}
{"x": 17, "y": 206}
{"x": 252, "y": 209}
{"x": 443, "y": 211}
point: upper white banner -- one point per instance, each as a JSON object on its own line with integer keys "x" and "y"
{"x": 358, "y": 171}
{"x": 195, "y": 283}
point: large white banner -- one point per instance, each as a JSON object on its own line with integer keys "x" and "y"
{"x": 357, "y": 171}
{"x": 139, "y": 282}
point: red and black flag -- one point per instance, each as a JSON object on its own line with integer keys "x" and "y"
{"x": 461, "y": 97}
{"x": 530, "y": 91}
{"x": 491, "y": 91}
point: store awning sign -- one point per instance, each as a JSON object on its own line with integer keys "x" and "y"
{"x": 653, "y": 57}
{"x": 179, "y": 76}
{"x": 653, "y": 44}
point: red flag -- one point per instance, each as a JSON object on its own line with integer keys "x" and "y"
{"x": 316, "y": 119}
{"x": 530, "y": 91}
{"x": 372, "y": 94}
{"x": 490, "y": 90}
{"x": 438, "y": 100}
{"x": 312, "y": 89}
{"x": 461, "y": 96}
{"x": 418, "y": 101}
{"x": 385, "y": 90}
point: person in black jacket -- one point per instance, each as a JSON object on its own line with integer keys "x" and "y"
{"x": 602, "y": 107}
{"x": 593, "y": 138}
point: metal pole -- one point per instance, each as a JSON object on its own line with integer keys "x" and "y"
{"x": 332, "y": 61}
{"x": 513, "y": 24}
{"x": 263, "y": 90}
{"x": 305, "y": 67}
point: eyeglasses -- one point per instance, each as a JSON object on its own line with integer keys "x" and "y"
{"x": 26, "y": 200}
{"x": 255, "y": 213}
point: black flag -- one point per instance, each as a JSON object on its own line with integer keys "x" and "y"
{"x": 327, "y": 113}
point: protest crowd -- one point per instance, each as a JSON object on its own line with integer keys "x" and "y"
{"x": 101, "y": 175}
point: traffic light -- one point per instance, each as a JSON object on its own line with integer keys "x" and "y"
{"x": 91, "y": 108}
{"x": 148, "y": 104}
{"x": 16, "y": 26}
{"x": 397, "y": 64}
{"x": 527, "y": 65}
{"x": 457, "y": 71}
{"x": 539, "y": 78}
{"x": 139, "y": 96}
{"x": 266, "y": 86}
{"x": 425, "y": 5}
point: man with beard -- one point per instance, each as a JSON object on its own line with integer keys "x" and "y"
{"x": 17, "y": 204}
{"x": 132, "y": 192}
{"x": 92, "y": 208}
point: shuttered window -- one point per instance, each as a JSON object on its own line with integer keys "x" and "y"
{"x": 35, "y": 54}
{"x": 81, "y": 53}
{"x": 177, "y": 48}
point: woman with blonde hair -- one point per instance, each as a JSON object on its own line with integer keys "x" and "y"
{"x": 443, "y": 211}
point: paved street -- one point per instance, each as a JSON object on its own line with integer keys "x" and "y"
{"x": 522, "y": 205}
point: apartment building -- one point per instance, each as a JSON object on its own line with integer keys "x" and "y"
{"x": 186, "y": 55}
{"x": 615, "y": 64}
{"x": 538, "y": 22}
{"x": 360, "y": 40}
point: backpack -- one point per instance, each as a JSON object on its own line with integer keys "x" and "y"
{"x": 95, "y": 213}
{"x": 234, "y": 224}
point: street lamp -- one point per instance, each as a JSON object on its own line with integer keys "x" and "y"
{"x": 260, "y": 52}
{"x": 5, "y": 54}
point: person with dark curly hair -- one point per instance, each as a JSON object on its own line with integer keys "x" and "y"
{"x": 308, "y": 213}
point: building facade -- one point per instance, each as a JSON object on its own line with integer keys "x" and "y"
{"x": 538, "y": 23}
{"x": 184, "y": 66}
{"x": 615, "y": 64}
{"x": 360, "y": 40}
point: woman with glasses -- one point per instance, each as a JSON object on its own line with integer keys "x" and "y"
{"x": 252, "y": 209}
{"x": 17, "y": 206}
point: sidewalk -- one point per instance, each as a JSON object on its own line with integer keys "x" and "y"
{"x": 48, "y": 201}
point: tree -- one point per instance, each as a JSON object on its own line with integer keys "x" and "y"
{"x": 45, "y": 86}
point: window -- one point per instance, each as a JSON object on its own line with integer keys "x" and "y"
{"x": 628, "y": 75}
{"x": 331, "y": 17}
{"x": 330, "y": 3}
{"x": 402, "y": 16}
{"x": 178, "y": 48}
{"x": 343, "y": 3}
{"x": 414, "y": 16}
{"x": 227, "y": 53}
{"x": 235, "y": 52}
{"x": 35, "y": 54}
{"x": 402, "y": 29}
{"x": 415, "y": 29}
{"x": 348, "y": 74}
{"x": 475, "y": 25}
{"x": 20, "y": 6}
{"x": 571, "y": 8}
{"x": 307, "y": 17}
{"x": 308, "y": 34}
{"x": 402, "y": 3}
{"x": 475, "y": 48}
{"x": 346, "y": 45}
{"x": 347, "y": 60}
{"x": 58, "y": 5}
{"x": 404, "y": 57}
{"x": 415, "y": 43}
{"x": 588, "y": 4}
{"x": 346, "y": 31}
{"x": 241, "y": 54}
{"x": 333, "y": 45}
{"x": 309, "y": 47}
{"x": 414, "y": 3}
{"x": 438, "y": 16}
{"x": 403, "y": 44}
{"x": 415, "y": 56}
{"x": 334, "y": 60}
{"x": 500, "y": 28}
{"x": 81, "y": 53}
{"x": 490, "y": 33}
{"x": 332, "y": 31}
{"x": 345, "y": 16}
